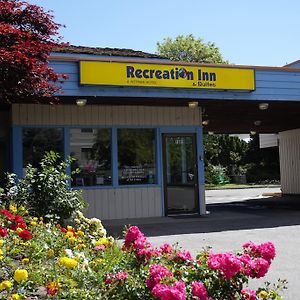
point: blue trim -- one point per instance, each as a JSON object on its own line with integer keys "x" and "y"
{"x": 178, "y": 129}
{"x": 164, "y": 129}
{"x": 17, "y": 151}
{"x": 200, "y": 155}
{"x": 158, "y": 157}
{"x": 66, "y": 139}
{"x": 200, "y": 164}
{"x": 102, "y": 187}
{"x": 161, "y": 170}
{"x": 114, "y": 157}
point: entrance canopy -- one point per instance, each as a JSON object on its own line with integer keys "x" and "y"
{"x": 223, "y": 116}
{"x": 234, "y": 99}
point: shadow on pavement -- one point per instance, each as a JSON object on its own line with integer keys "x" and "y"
{"x": 249, "y": 214}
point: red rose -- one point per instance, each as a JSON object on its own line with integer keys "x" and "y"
{"x": 51, "y": 291}
{"x": 7, "y": 213}
{"x": 25, "y": 235}
{"x": 19, "y": 219}
{"x": 64, "y": 230}
{"x": 18, "y": 225}
{"x": 3, "y": 231}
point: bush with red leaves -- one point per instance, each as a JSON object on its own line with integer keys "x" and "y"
{"x": 27, "y": 36}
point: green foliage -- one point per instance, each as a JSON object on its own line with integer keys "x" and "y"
{"x": 45, "y": 190}
{"x": 262, "y": 164}
{"x": 224, "y": 153}
{"x": 190, "y": 49}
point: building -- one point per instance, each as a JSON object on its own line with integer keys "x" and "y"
{"x": 134, "y": 123}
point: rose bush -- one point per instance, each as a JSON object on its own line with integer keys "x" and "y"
{"x": 42, "y": 260}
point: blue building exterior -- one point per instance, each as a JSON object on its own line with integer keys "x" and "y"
{"x": 140, "y": 149}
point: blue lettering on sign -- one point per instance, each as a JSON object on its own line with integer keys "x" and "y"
{"x": 176, "y": 73}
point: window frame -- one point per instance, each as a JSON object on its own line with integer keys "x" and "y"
{"x": 17, "y": 152}
{"x": 156, "y": 153}
{"x": 111, "y": 158}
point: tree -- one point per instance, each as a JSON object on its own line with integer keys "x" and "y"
{"x": 27, "y": 36}
{"x": 225, "y": 152}
{"x": 190, "y": 49}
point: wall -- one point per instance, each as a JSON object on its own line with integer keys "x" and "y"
{"x": 33, "y": 114}
{"x": 271, "y": 84}
{"x": 289, "y": 153}
{"x": 123, "y": 202}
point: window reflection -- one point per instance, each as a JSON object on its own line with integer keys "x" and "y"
{"x": 91, "y": 149}
{"x": 37, "y": 141}
{"x": 136, "y": 156}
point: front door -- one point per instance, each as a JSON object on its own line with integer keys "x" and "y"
{"x": 180, "y": 173}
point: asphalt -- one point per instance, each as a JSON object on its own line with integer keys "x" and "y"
{"x": 230, "y": 224}
{"x": 248, "y": 214}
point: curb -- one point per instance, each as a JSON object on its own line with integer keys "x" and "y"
{"x": 242, "y": 187}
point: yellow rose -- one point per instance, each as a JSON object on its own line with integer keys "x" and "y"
{"x": 25, "y": 261}
{"x": 13, "y": 208}
{"x": 50, "y": 253}
{"x": 33, "y": 223}
{"x": 69, "y": 228}
{"x": 69, "y": 234}
{"x": 102, "y": 241}
{"x": 20, "y": 275}
{"x": 80, "y": 233}
{"x": 1, "y": 251}
{"x": 1, "y": 243}
{"x": 18, "y": 230}
{"x": 6, "y": 284}
{"x": 72, "y": 239}
{"x": 263, "y": 294}
{"x": 15, "y": 297}
{"x": 68, "y": 262}
{"x": 80, "y": 246}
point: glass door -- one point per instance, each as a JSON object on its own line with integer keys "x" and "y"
{"x": 180, "y": 173}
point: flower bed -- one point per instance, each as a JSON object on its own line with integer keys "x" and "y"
{"x": 47, "y": 261}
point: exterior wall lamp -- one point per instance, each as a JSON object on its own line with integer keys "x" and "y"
{"x": 193, "y": 104}
{"x": 263, "y": 106}
{"x": 81, "y": 102}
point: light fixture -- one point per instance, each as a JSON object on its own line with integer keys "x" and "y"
{"x": 257, "y": 122}
{"x": 252, "y": 132}
{"x": 263, "y": 106}
{"x": 193, "y": 104}
{"x": 81, "y": 102}
{"x": 205, "y": 122}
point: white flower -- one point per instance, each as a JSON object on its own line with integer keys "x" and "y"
{"x": 69, "y": 253}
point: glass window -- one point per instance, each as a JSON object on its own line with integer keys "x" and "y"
{"x": 136, "y": 156}
{"x": 91, "y": 149}
{"x": 37, "y": 141}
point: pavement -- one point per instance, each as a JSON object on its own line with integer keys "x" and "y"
{"x": 228, "y": 225}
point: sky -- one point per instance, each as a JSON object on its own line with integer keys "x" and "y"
{"x": 247, "y": 32}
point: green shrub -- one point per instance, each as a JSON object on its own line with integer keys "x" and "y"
{"x": 45, "y": 191}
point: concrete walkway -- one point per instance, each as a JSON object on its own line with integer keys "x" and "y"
{"x": 228, "y": 226}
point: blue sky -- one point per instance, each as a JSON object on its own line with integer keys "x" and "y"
{"x": 248, "y": 32}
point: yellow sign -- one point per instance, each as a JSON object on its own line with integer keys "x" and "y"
{"x": 170, "y": 76}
